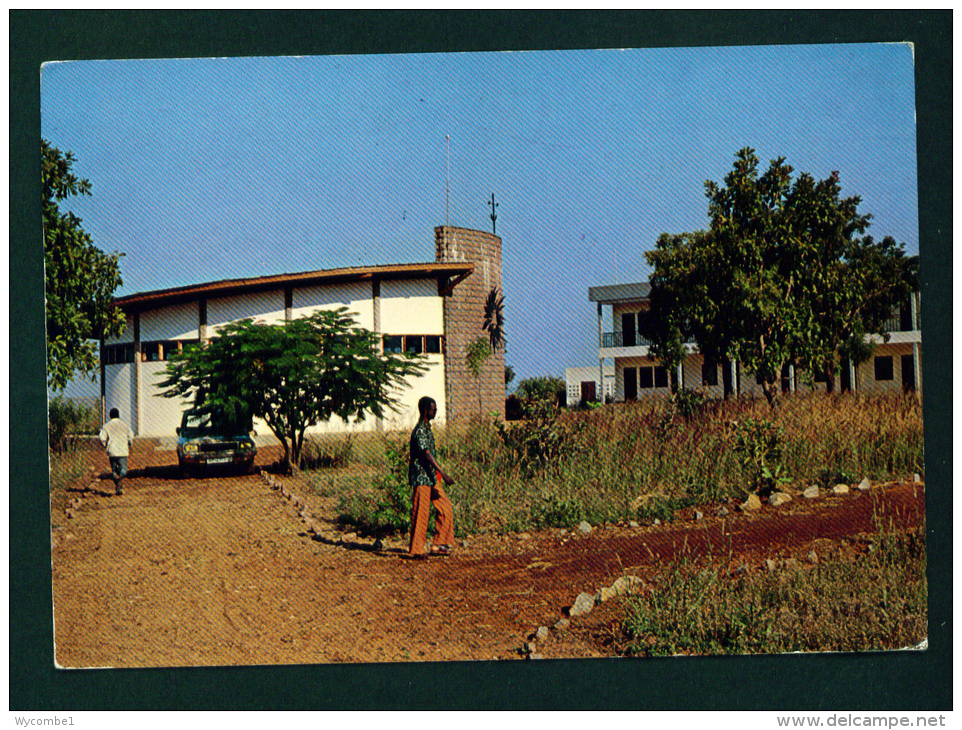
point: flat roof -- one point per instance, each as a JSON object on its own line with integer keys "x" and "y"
{"x": 229, "y": 287}
{"x": 619, "y": 292}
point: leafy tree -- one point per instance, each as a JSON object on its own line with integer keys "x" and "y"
{"x": 292, "y": 375}
{"x": 493, "y": 322}
{"x": 783, "y": 275}
{"x": 80, "y": 279}
{"x": 540, "y": 394}
{"x": 478, "y": 352}
{"x": 508, "y": 374}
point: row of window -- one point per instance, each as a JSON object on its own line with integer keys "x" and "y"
{"x": 415, "y": 344}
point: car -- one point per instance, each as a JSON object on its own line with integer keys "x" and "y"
{"x": 206, "y": 440}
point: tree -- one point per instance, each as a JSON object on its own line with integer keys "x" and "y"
{"x": 80, "y": 279}
{"x": 478, "y": 352}
{"x": 542, "y": 393}
{"x": 292, "y": 375}
{"x": 493, "y": 322}
{"x": 508, "y": 374}
{"x": 783, "y": 275}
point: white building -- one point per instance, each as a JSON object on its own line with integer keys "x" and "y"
{"x": 583, "y": 385}
{"x": 413, "y": 307}
{"x": 895, "y": 365}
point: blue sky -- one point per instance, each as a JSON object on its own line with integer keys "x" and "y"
{"x": 206, "y": 169}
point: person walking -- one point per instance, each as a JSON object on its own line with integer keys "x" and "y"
{"x": 425, "y": 477}
{"x": 117, "y": 437}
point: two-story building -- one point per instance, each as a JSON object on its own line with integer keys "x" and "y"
{"x": 895, "y": 365}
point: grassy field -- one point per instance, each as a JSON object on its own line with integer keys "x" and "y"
{"x": 632, "y": 461}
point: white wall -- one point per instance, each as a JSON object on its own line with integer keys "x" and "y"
{"x": 357, "y": 297}
{"x": 119, "y": 389}
{"x": 266, "y": 307}
{"x": 411, "y": 307}
{"x": 159, "y": 416}
{"x": 174, "y": 322}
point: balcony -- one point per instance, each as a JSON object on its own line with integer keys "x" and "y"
{"x": 617, "y": 339}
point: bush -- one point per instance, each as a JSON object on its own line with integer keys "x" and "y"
{"x": 387, "y": 510}
{"x": 325, "y": 452}
{"x": 66, "y": 418}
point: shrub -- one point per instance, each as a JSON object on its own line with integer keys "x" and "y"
{"x": 67, "y": 417}
{"x": 323, "y": 452}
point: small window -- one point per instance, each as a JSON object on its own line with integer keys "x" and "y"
{"x": 661, "y": 377}
{"x": 414, "y": 344}
{"x": 631, "y": 384}
{"x": 392, "y": 343}
{"x": 709, "y": 373}
{"x": 118, "y": 354}
{"x": 432, "y": 344}
{"x": 884, "y": 369}
{"x": 647, "y": 377}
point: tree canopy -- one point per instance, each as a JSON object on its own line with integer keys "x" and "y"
{"x": 80, "y": 279}
{"x": 783, "y": 275}
{"x": 292, "y": 375}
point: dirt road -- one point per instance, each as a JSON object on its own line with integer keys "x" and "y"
{"x": 221, "y": 571}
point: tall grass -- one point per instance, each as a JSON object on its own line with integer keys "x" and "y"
{"x": 876, "y": 601}
{"x": 626, "y": 461}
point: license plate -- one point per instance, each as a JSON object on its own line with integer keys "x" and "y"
{"x": 220, "y": 460}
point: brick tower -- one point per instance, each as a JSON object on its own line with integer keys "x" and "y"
{"x": 463, "y": 316}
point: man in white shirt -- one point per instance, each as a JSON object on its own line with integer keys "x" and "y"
{"x": 117, "y": 437}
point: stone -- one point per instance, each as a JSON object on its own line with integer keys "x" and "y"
{"x": 840, "y": 489}
{"x": 542, "y": 633}
{"x": 916, "y": 478}
{"x": 626, "y": 584}
{"x": 605, "y": 594}
{"x": 530, "y": 647}
{"x": 722, "y": 511}
{"x": 633, "y": 524}
{"x": 699, "y": 515}
{"x": 864, "y": 485}
{"x": 524, "y": 536}
{"x": 811, "y": 492}
{"x": 779, "y": 498}
{"x": 582, "y": 605}
{"x": 535, "y": 656}
{"x": 812, "y": 557}
{"x": 562, "y": 625}
{"x": 656, "y": 522}
{"x": 771, "y": 565}
{"x": 584, "y": 528}
{"x": 752, "y": 504}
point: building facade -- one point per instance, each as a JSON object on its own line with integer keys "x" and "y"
{"x": 417, "y": 308}
{"x": 582, "y": 385}
{"x": 895, "y": 365}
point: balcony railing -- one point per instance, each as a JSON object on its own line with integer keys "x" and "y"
{"x": 617, "y": 339}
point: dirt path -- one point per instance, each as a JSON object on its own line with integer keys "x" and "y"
{"x": 220, "y": 570}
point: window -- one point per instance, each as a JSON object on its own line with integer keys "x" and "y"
{"x": 432, "y": 344}
{"x": 661, "y": 377}
{"x": 647, "y": 377}
{"x": 884, "y": 369}
{"x": 159, "y": 350}
{"x": 709, "y": 373}
{"x": 118, "y": 354}
{"x": 392, "y": 343}
{"x": 414, "y": 344}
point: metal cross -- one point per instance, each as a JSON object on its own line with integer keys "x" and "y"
{"x": 494, "y": 216}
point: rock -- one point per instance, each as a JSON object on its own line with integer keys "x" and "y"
{"x": 633, "y": 524}
{"x": 524, "y": 536}
{"x": 812, "y": 557}
{"x": 378, "y": 544}
{"x": 699, "y": 515}
{"x": 864, "y": 485}
{"x": 584, "y": 528}
{"x": 916, "y": 478}
{"x": 791, "y": 563}
{"x": 530, "y": 647}
{"x": 811, "y": 492}
{"x": 840, "y": 489}
{"x": 582, "y": 605}
{"x": 752, "y": 504}
{"x": 779, "y": 498}
{"x": 656, "y": 522}
{"x": 542, "y": 633}
{"x": 722, "y": 511}
{"x": 605, "y": 594}
{"x": 771, "y": 565}
{"x": 626, "y": 584}
{"x": 562, "y": 625}
{"x": 535, "y": 656}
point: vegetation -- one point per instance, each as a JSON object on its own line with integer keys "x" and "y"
{"x": 67, "y": 417}
{"x": 539, "y": 393}
{"x": 292, "y": 375}
{"x": 875, "y": 601}
{"x": 80, "y": 279}
{"x": 645, "y": 460}
{"x": 478, "y": 352}
{"x": 783, "y": 275}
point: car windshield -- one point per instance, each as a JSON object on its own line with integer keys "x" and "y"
{"x": 210, "y": 423}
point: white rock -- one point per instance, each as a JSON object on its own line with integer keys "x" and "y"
{"x": 582, "y": 605}
{"x": 626, "y": 584}
{"x": 562, "y": 625}
{"x": 605, "y": 594}
{"x": 770, "y": 564}
{"x": 656, "y": 522}
{"x": 584, "y": 528}
{"x": 916, "y": 478}
{"x": 722, "y": 511}
{"x": 752, "y": 504}
{"x": 542, "y": 633}
{"x": 633, "y": 524}
{"x": 864, "y": 485}
{"x": 699, "y": 515}
{"x": 812, "y": 557}
{"x": 779, "y": 498}
{"x": 840, "y": 489}
{"x": 535, "y": 656}
{"x": 811, "y": 492}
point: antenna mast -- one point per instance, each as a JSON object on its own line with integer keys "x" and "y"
{"x": 447, "y": 186}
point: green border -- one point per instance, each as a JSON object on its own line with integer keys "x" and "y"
{"x": 894, "y": 681}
